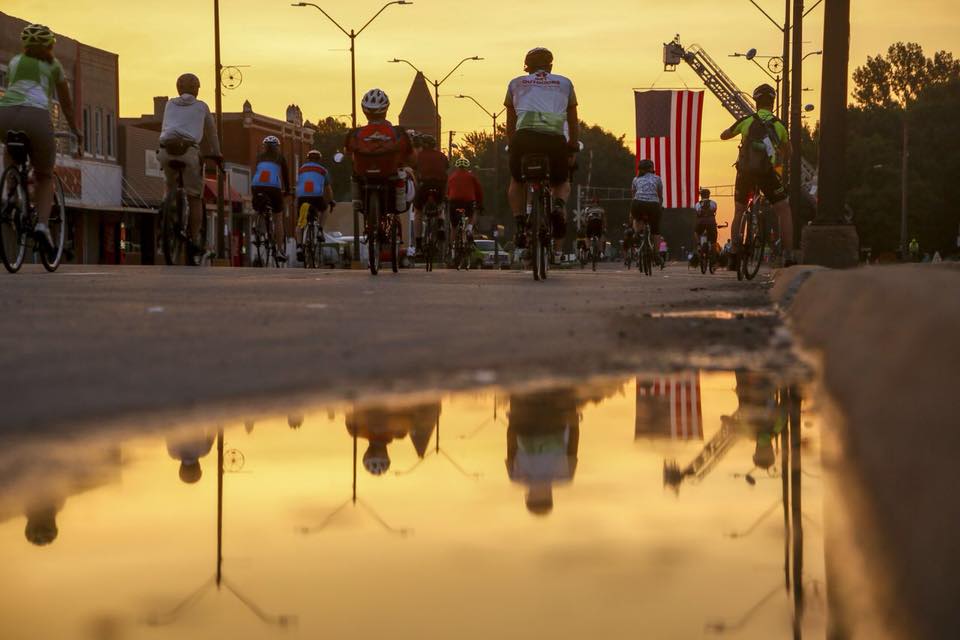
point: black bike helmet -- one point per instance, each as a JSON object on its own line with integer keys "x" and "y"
{"x": 704, "y": 193}
{"x": 764, "y": 91}
{"x": 538, "y": 59}
{"x": 646, "y": 166}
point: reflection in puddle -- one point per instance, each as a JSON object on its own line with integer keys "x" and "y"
{"x": 573, "y": 511}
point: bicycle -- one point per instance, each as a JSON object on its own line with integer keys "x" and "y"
{"x": 707, "y": 253}
{"x": 583, "y": 252}
{"x": 312, "y": 239}
{"x": 175, "y": 223}
{"x": 462, "y": 242}
{"x": 753, "y": 239}
{"x": 434, "y": 233}
{"x": 18, "y": 216}
{"x": 535, "y": 173}
{"x": 380, "y": 225}
{"x": 262, "y": 235}
{"x": 645, "y": 261}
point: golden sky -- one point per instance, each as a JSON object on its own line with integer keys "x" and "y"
{"x": 606, "y": 48}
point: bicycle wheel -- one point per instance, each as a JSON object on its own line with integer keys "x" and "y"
{"x": 309, "y": 239}
{"x": 594, "y": 253}
{"x": 393, "y": 234}
{"x": 13, "y": 203}
{"x": 702, "y": 259}
{"x": 259, "y": 241}
{"x": 174, "y": 211}
{"x": 757, "y": 245}
{"x": 428, "y": 245}
{"x": 57, "y": 224}
{"x": 712, "y": 262}
{"x": 373, "y": 234}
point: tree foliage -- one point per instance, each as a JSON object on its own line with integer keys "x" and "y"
{"x": 901, "y": 76}
{"x": 328, "y": 138}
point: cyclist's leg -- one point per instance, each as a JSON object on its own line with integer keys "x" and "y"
{"x": 556, "y": 148}
{"x": 37, "y": 125}
{"x": 193, "y": 185}
{"x": 516, "y": 194}
{"x": 772, "y": 188}
{"x": 741, "y": 196}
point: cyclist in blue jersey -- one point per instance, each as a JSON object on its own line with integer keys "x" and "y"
{"x": 271, "y": 182}
{"x": 314, "y": 194}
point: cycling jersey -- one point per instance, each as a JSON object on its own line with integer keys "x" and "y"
{"x": 432, "y": 166}
{"x": 378, "y": 149}
{"x": 648, "y": 188}
{"x": 541, "y": 100}
{"x": 271, "y": 171}
{"x": 743, "y": 127}
{"x": 31, "y": 82}
{"x": 186, "y": 118}
{"x": 463, "y": 186}
{"x": 706, "y": 211}
{"x": 312, "y": 180}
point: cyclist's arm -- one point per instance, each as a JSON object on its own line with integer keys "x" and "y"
{"x": 66, "y": 105}
{"x": 210, "y": 138}
{"x": 734, "y": 130}
{"x": 573, "y": 122}
{"x": 511, "y": 121}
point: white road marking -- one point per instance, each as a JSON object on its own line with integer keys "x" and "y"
{"x": 316, "y": 305}
{"x": 155, "y": 309}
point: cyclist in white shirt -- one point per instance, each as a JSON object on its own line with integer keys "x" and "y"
{"x": 541, "y": 118}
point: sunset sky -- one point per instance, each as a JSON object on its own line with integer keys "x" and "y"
{"x": 606, "y": 48}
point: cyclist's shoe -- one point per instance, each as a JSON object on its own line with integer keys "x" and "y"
{"x": 43, "y": 232}
{"x": 300, "y": 253}
{"x": 558, "y": 219}
{"x": 281, "y": 257}
{"x": 521, "y": 240}
{"x": 320, "y": 237}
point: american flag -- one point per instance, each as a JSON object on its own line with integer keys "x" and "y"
{"x": 669, "y": 406}
{"x": 668, "y": 132}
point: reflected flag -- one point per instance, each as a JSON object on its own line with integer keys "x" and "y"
{"x": 669, "y": 124}
{"x": 669, "y": 406}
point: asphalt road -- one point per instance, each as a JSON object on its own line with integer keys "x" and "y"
{"x": 90, "y": 343}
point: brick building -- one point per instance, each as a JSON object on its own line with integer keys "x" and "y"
{"x": 94, "y": 185}
{"x": 419, "y": 111}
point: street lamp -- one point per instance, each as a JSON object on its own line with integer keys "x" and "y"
{"x": 352, "y": 34}
{"x": 436, "y": 84}
{"x": 496, "y": 152}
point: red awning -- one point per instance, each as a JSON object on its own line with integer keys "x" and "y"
{"x": 210, "y": 192}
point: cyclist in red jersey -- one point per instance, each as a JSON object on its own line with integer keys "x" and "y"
{"x": 431, "y": 172}
{"x": 464, "y": 192}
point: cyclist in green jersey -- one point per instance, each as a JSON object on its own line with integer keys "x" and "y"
{"x": 769, "y": 179}
{"x": 34, "y": 78}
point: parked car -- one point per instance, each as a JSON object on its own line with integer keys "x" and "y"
{"x": 485, "y": 251}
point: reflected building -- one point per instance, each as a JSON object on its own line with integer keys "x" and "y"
{"x": 380, "y": 426}
{"x": 669, "y": 406}
{"x": 543, "y": 438}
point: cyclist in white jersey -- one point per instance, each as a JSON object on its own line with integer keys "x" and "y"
{"x": 541, "y": 118}
{"x": 34, "y": 78}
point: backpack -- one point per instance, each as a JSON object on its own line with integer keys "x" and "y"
{"x": 758, "y": 151}
{"x": 375, "y": 150}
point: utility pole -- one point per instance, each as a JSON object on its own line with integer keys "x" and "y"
{"x": 785, "y": 73}
{"x": 218, "y": 105}
{"x": 904, "y": 167}
{"x": 796, "y": 119}
{"x": 450, "y": 143}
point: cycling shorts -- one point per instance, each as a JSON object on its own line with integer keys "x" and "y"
{"x": 709, "y": 227}
{"x": 271, "y": 195}
{"x": 424, "y": 189}
{"x": 466, "y": 205}
{"x": 594, "y": 228}
{"x": 37, "y": 125}
{"x": 315, "y": 202}
{"x": 553, "y": 146}
{"x": 648, "y": 212}
{"x": 769, "y": 184}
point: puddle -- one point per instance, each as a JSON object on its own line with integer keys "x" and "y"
{"x": 717, "y": 314}
{"x": 650, "y": 506}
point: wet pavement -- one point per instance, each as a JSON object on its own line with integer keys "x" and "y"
{"x": 644, "y": 506}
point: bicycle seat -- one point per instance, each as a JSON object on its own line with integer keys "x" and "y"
{"x": 176, "y": 165}
{"x": 535, "y": 166}
{"x": 18, "y": 145}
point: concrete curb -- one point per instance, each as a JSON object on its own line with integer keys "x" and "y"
{"x": 888, "y": 346}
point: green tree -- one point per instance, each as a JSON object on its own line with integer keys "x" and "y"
{"x": 328, "y": 138}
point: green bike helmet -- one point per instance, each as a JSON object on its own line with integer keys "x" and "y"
{"x": 37, "y": 35}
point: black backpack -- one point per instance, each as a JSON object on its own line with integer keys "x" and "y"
{"x": 756, "y": 157}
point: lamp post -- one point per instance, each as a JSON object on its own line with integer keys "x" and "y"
{"x": 436, "y": 84}
{"x": 774, "y": 65}
{"x": 218, "y": 107}
{"x": 496, "y": 153}
{"x": 352, "y": 34}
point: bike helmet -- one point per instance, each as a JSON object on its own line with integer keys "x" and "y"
{"x": 271, "y": 141}
{"x": 428, "y": 142}
{"x": 375, "y": 101}
{"x": 313, "y": 154}
{"x": 764, "y": 91}
{"x": 376, "y": 462}
{"x": 188, "y": 83}
{"x": 704, "y": 192}
{"x": 462, "y": 163}
{"x": 539, "y": 58}
{"x": 37, "y": 35}
{"x": 646, "y": 166}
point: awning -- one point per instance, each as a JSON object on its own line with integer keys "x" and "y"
{"x": 210, "y": 192}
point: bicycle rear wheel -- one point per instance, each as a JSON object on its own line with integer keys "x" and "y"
{"x": 57, "y": 224}
{"x": 703, "y": 260}
{"x": 373, "y": 234}
{"x": 309, "y": 242}
{"x": 174, "y": 210}
{"x": 756, "y": 245}
{"x": 393, "y": 234}
{"x": 13, "y": 205}
{"x": 594, "y": 253}
{"x": 428, "y": 244}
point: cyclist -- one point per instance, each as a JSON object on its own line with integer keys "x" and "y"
{"x": 189, "y": 448}
{"x": 314, "y": 189}
{"x": 541, "y": 118}
{"x": 595, "y": 218}
{"x": 663, "y": 250}
{"x": 431, "y": 172}
{"x": 763, "y": 147}
{"x": 271, "y": 183}
{"x": 32, "y": 77}
{"x": 647, "y": 205}
{"x": 378, "y": 149}
{"x": 188, "y": 127}
{"x": 706, "y": 219}
{"x": 464, "y": 192}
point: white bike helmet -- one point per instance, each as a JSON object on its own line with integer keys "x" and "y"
{"x": 462, "y": 163}
{"x": 375, "y": 101}
{"x": 271, "y": 141}
{"x": 376, "y": 463}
